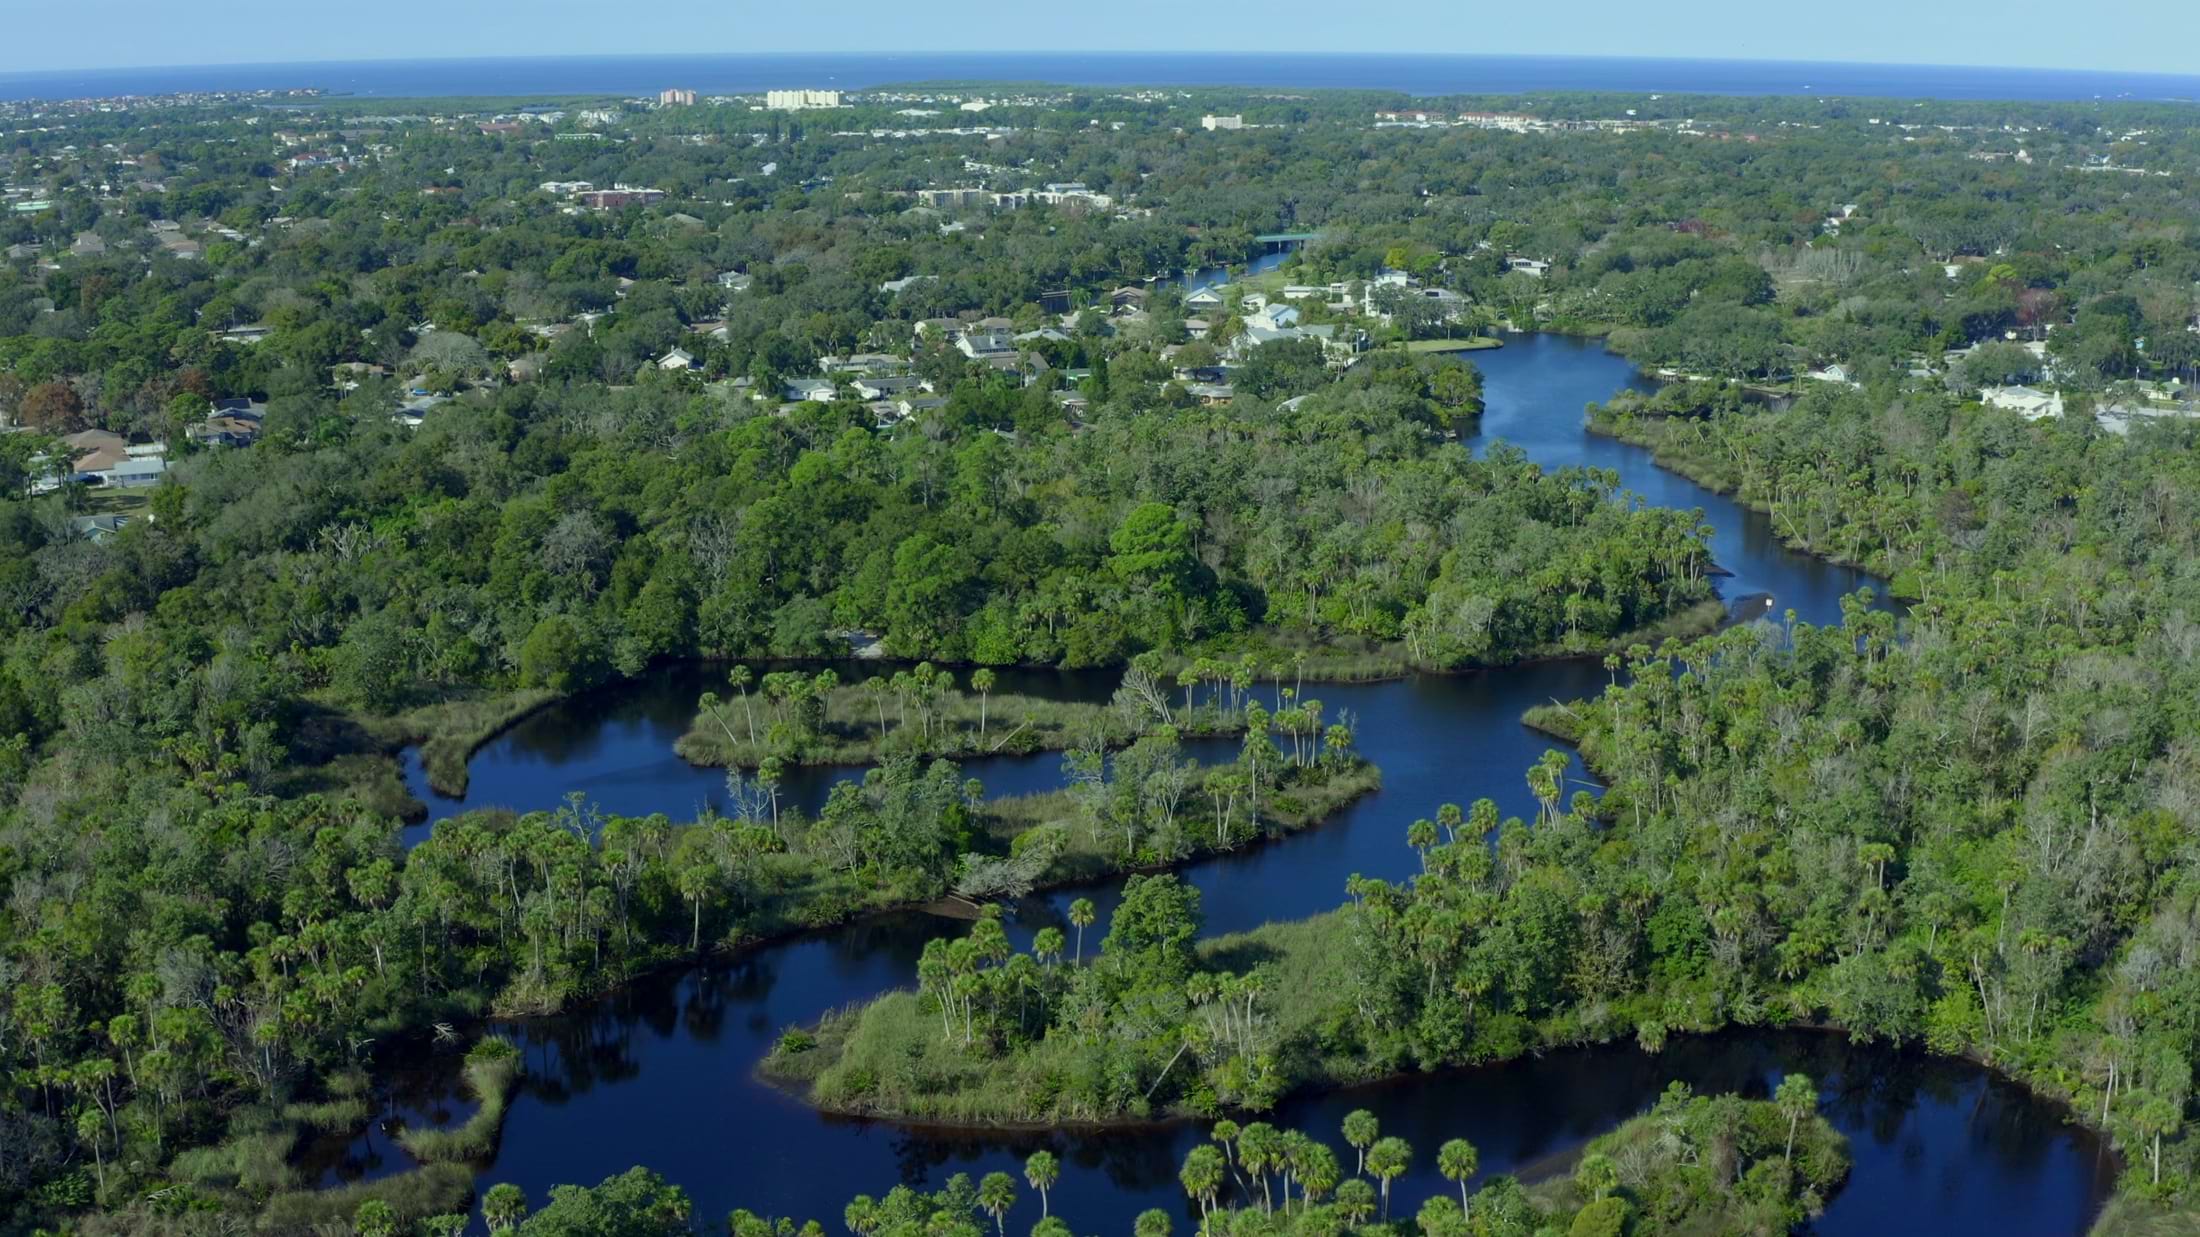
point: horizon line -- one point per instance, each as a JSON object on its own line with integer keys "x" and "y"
{"x": 901, "y": 53}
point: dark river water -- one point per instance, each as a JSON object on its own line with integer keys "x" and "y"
{"x": 661, "y": 1075}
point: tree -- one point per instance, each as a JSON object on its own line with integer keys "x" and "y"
{"x": 1202, "y": 1175}
{"x": 1153, "y": 548}
{"x": 1042, "y": 1170}
{"x": 1606, "y": 1217}
{"x": 1596, "y": 1176}
{"x": 1080, "y": 917}
{"x": 996, "y": 1194}
{"x": 1388, "y": 1160}
{"x": 375, "y": 1218}
{"x": 981, "y": 682}
{"x": 52, "y": 408}
{"x": 1356, "y": 1201}
{"x": 1152, "y": 1222}
{"x": 503, "y": 1206}
{"x": 1458, "y": 1161}
{"x": 1797, "y": 1098}
{"x": 1360, "y": 1131}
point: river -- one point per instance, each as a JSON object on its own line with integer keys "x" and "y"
{"x": 661, "y": 1074}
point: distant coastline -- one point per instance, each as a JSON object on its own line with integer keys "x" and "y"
{"x": 1405, "y": 73}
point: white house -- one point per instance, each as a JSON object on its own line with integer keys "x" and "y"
{"x": 677, "y": 359}
{"x": 813, "y": 390}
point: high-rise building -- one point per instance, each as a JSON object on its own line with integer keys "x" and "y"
{"x": 676, "y": 98}
{"x": 800, "y": 100}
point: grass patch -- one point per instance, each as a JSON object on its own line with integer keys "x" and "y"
{"x": 433, "y": 1190}
{"x": 448, "y": 731}
{"x": 1478, "y": 343}
{"x": 2128, "y": 1215}
{"x": 493, "y": 1070}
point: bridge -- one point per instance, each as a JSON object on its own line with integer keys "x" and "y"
{"x": 1285, "y": 240}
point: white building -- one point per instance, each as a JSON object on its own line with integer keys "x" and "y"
{"x": 800, "y": 100}
{"x": 1212, "y": 123}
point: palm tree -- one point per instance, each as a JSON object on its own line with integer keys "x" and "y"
{"x": 1388, "y": 1159}
{"x": 996, "y": 1194}
{"x": 504, "y": 1206}
{"x": 1457, "y": 1160}
{"x": 1046, "y": 945}
{"x": 981, "y": 682}
{"x": 1152, "y": 1222}
{"x": 1080, "y": 915}
{"x": 1356, "y": 1201}
{"x": 1420, "y": 835}
{"x": 1201, "y": 1176}
{"x": 1317, "y": 1173}
{"x": 739, "y": 679}
{"x": 1797, "y": 1098}
{"x": 1596, "y": 1176}
{"x": 1259, "y": 1149}
{"x": 862, "y": 1216}
{"x": 1042, "y": 1170}
{"x": 1360, "y": 1129}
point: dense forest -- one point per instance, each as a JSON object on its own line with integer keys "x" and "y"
{"x": 432, "y": 457}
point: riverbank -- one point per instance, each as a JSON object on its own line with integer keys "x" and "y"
{"x": 1649, "y": 434}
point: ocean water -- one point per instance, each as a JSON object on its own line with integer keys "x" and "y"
{"x": 1407, "y": 74}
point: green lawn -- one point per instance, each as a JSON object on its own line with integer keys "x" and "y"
{"x": 1479, "y": 343}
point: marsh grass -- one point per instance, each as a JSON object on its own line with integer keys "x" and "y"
{"x": 493, "y": 1070}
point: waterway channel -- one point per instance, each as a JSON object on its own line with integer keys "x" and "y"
{"x": 661, "y": 1074}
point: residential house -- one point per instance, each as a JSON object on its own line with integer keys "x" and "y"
{"x": 102, "y": 458}
{"x": 1214, "y": 296}
{"x": 986, "y": 344}
{"x": 2026, "y": 402}
{"x": 811, "y": 390}
{"x": 885, "y": 388}
{"x": 679, "y": 359}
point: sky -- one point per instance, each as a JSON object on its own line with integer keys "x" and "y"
{"x": 2127, "y": 35}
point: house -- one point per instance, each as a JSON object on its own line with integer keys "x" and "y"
{"x": 735, "y": 281}
{"x": 984, "y": 345}
{"x": 895, "y": 287}
{"x": 811, "y": 390}
{"x": 2026, "y": 402}
{"x": 1213, "y": 296}
{"x": 912, "y": 405}
{"x": 1128, "y": 298}
{"x": 229, "y": 427}
{"x": 525, "y": 368}
{"x": 862, "y": 363}
{"x": 1275, "y": 317}
{"x": 1835, "y": 372}
{"x": 885, "y": 388}
{"x": 22, "y": 253}
{"x": 246, "y": 334}
{"x": 88, "y": 245}
{"x": 97, "y": 527}
{"x": 1212, "y": 394}
{"x": 1528, "y": 266}
{"x": 1213, "y": 123}
{"x": 678, "y": 359}
{"x": 101, "y": 458}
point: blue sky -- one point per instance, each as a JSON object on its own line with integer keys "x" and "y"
{"x": 2147, "y": 35}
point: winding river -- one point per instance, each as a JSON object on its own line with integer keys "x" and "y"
{"x": 661, "y": 1073}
